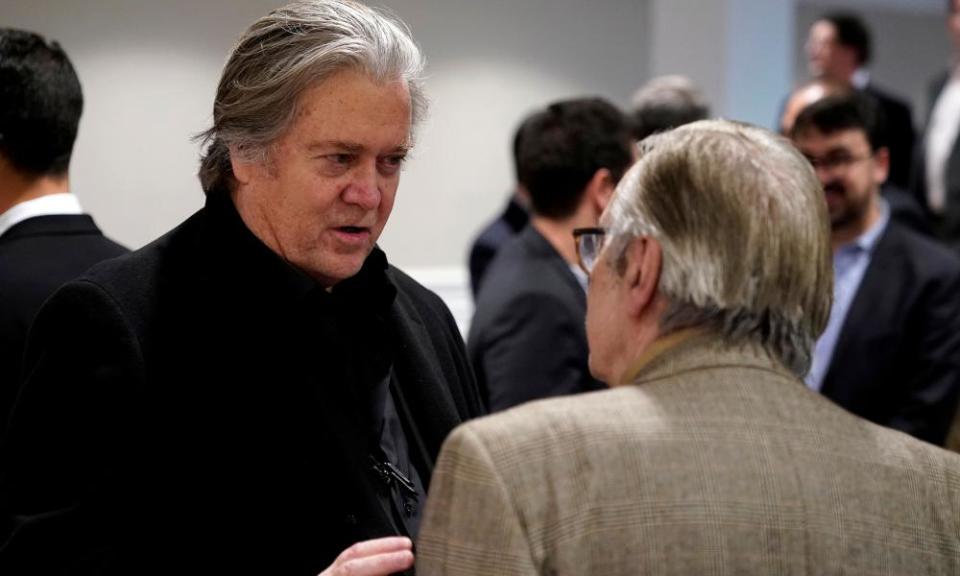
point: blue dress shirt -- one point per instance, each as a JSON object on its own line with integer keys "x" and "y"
{"x": 850, "y": 263}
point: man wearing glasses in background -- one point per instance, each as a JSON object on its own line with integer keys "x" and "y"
{"x": 708, "y": 287}
{"x": 891, "y": 350}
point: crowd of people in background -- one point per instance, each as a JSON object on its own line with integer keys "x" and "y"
{"x": 698, "y": 346}
{"x": 889, "y": 353}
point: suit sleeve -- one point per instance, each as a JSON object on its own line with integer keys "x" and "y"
{"x": 536, "y": 350}
{"x": 930, "y": 398}
{"x": 69, "y": 438}
{"x": 471, "y": 525}
{"x": 480, "y": 257}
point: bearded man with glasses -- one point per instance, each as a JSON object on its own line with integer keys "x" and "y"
{"x": 891, "y": 350}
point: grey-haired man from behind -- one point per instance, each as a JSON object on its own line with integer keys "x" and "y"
{"x": 710, "y": 280}
{"x": 257, "y": 390}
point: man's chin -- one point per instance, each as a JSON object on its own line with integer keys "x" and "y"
{"x": 328, "y": 274}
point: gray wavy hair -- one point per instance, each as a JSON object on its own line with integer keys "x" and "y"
{"x": 288, "y": 51}
{"x": 745, "y": 237}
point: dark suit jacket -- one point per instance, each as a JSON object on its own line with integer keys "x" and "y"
{"x": 37, "y": 256}
{"x": 897, "y": 359}
{"x": 187, "y": 410}
{"x": 527, "y": 339}
{"x": 900, "y": 134}
{"x": 946, "y": 225}
{"x": 491, "y": 238}
{"x": 905, "y": 209}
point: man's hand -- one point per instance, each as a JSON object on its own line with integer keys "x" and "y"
{"x": 378, "y": 557}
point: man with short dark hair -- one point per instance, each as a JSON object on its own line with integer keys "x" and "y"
{"x": 527, "y": 339}
{"x": 839, "y": 48}
{"x": 45, "y": 238}
{"x": 891, "y": 350}
{"x": 258, "y": 391}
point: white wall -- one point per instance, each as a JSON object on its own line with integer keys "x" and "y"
{"x": 737, "y": 51}
{"x": 490, "y": 64}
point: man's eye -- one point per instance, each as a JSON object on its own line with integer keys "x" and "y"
{"x": 343, "y": 159}
{"x": 392, "y": 163}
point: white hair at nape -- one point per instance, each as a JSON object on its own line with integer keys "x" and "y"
{"x": 288, "y": 51}
{"x": 745, "y": 237}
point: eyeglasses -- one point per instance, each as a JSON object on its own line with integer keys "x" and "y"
{"x": 589, "y": 243}
{"x": 834, "y": 162}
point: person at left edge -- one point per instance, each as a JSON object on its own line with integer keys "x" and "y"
{"x": 45, "y": 237}
{"x": 257, "y": 390}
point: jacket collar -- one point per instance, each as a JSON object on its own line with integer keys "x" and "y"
{"x": 254, "y": 260}
{"x": 539, "y": 247}
{"x": 52, "y": 225}
{"x": 704, "y": 351}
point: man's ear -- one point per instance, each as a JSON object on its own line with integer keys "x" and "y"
{"x": 881, "y": 165}
{"x": 243, "y": 170}
{"x": 644, "y": 257}
{"x": 600, "y": 189}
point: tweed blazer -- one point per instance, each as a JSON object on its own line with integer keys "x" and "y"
{"x": 717, "y": 461}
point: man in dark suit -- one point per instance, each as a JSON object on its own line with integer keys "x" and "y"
{"x": 258, "y": 389}
{"x": 839, "y": 50}
{"x": 45, "y": 238}
{"x": 891, "y": 350}
{"x": 527, "y": 338}
{"x": 936, "y": 181}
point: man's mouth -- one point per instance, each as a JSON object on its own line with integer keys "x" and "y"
{"x": 353, "y": 229}
{"x": 833, "y": 189}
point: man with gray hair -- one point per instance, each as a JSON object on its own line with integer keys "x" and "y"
{"x": 710, "y": 282}
{"x": 666, "y": 102}
{"x": 258, "y": 389}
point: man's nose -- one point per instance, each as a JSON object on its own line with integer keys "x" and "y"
{"x": 823, "y": 172}
{"x": 364, "y": 187}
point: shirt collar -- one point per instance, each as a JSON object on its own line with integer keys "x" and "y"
{"x": 860, "y": 78}
{"x": 580, "y": 275}
{"x": 50, "y": 205}
{"x": 370, "y": 288}
{"x": 656, "y": 349}
{"x": 868, "y": 240}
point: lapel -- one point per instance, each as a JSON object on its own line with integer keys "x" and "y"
{"x": 869, "y": 314}
{"x": 423, "y": 399}
{"x": 704, "y": 352}
{"x": 953, "y": 161}
{"x": 539, "y": 248}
